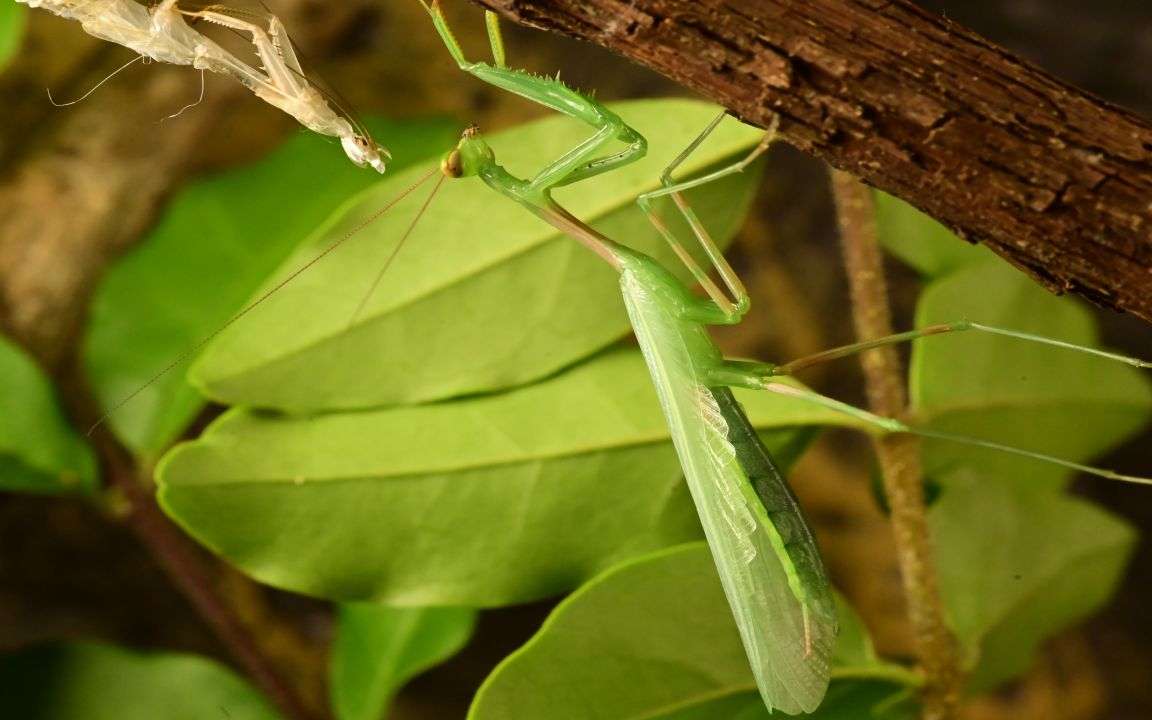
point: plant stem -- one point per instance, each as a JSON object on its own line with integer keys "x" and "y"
{"x": 899, "y": 455}
{"x": 172, "y": 552}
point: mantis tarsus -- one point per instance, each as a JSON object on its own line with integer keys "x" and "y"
{"x": 162, "y": 34}
{"x": 765, "y": 553}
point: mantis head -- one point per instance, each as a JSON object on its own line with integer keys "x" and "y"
{"x": 469, "y": 155}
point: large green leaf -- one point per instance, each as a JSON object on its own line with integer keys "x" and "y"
{"x": 855, "y": 657}
{"x": 11, "y": 31}
{"x": 39, "y": 450}
{"x": 483, "y": 296}
{"x": 485, "y": 501}
{"x": 1018, "y": 393}
{"x": 1017, "y": 566}
{"x": 653, "y": 638}
{"x": 1012, "y": 392}
{"x": 379, "y": 648}
{"x": 89, "y": 681}
{"x": 219, "y": 240}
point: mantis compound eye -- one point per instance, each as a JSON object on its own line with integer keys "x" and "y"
{"x": 452, "y": 165}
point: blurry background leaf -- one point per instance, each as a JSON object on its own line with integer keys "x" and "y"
{"x": 484, "y": 295}
{"x": 855, "y": 658}
{"x": 378, "y": 648}
{"x": 1014, "y": 392}
{"x": 484, "y": 501}
{"x": 39, "y": 450}
{"x": 920, "y": 241}
{"x": 11, "y": 31}
{"x": 866, "y": 699}
{"x": 219, "y": 240}
{"x": 1016, "y": 567}
{"x": 89, "y": 681}
{"x": 1008, "y": 391}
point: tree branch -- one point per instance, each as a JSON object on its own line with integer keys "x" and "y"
{"x": 1054, "y": 180}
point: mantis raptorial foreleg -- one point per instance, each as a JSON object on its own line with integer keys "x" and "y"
{"x": 161, "y": 33}
{"x": 285, "y": 84}
{"x": 272, "y": 45}
{"x": 582, "y": 161}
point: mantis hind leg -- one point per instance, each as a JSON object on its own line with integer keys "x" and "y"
{"x": 843, "y": 351}
{"x": 757, "y": 376}
{"x": 737, "y": 305}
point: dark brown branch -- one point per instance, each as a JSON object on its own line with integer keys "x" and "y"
{"x": 1053, "y": 179}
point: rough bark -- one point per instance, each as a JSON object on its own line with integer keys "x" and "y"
{"x": 1050, "y": 177}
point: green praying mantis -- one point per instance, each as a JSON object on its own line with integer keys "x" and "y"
{"x": 767, "y": 558}
{"x": 765, "y": 553}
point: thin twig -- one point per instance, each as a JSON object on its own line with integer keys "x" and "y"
{"x": 174, "y": 552}
{"x": 171, "y": 550}
{"x": 899, "y": 455}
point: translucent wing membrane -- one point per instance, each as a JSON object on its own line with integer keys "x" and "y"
{"x": 766, "y": 557}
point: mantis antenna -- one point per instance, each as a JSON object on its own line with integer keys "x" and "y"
{"x": 281, "y": 284}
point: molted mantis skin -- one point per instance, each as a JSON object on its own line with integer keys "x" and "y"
{"x": 162, "y": 34}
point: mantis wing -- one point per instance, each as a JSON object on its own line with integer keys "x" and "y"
{"x": 765, "y": 554}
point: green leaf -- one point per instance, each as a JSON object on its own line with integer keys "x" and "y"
{"x": 89, "y": 681}
{"x": 1008, "y": 391}
{"x": 484, "y": 295}
{"x": 219, "y": 240}
{"x": 920, "y": 241}
{"x": 379, "y": 648}
{"x": 855, "y": 658}
{"x": 1014, "y": 392}
{"x": 866, "y": 700}
{"x": 1016, "y": 567}
{"x": 846, "y": 700}
{"x": 39, "y": 450}
{"x": 642, "y": 640}
{"x": 11, "y": 31}
{"x": 484, "y": 501}
{"x": 653, "y": 638}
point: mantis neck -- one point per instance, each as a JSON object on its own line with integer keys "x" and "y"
{"x": 541, "y": 204}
